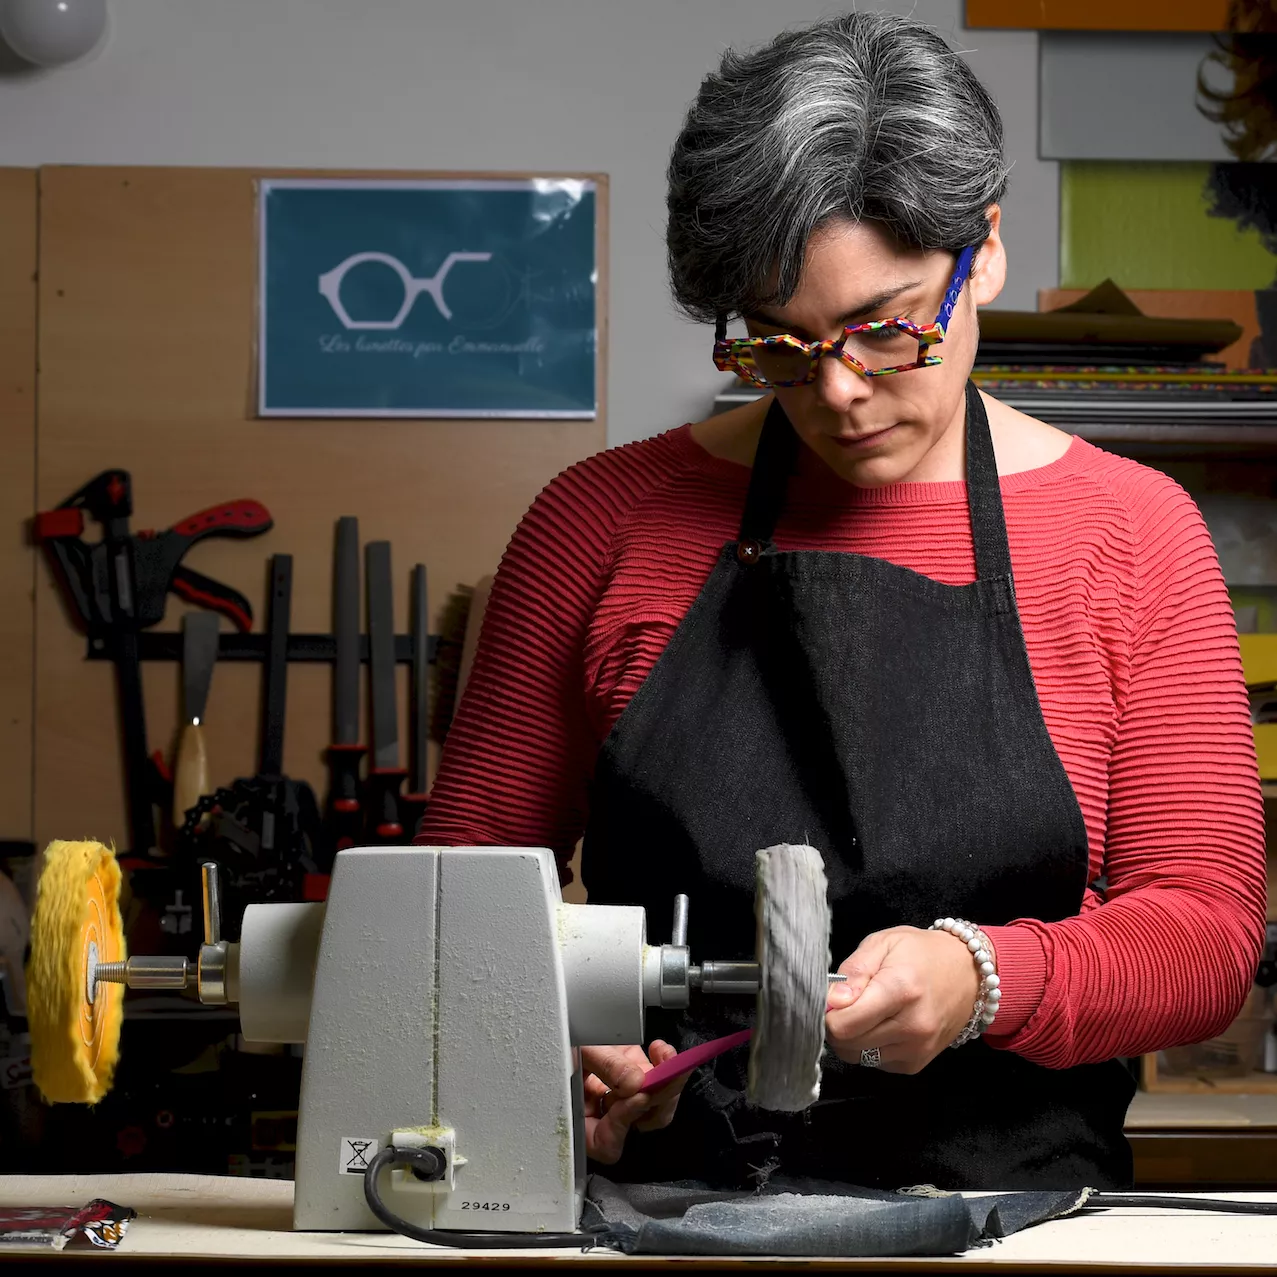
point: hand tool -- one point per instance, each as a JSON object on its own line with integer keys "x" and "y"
{"x": 275, "y": 669}
{"x": 413, "y": 803}
{"x": 265, "y": 829}
{"x": 385, "y": 776}
{"x": 287, "y": 821}
{"x": 200, "y": 632}
{"x": 685, "y": 1061}
{"x": 118, "y": 587}
{"x": 345, "y": 815}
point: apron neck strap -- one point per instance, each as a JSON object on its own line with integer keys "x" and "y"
{"x": 776, "y": 460}
{"x": 984, "y": 494}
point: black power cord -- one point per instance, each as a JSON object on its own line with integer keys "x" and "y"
{"x": 428, "y": 1164}
{"x": 1102, "y": 1201}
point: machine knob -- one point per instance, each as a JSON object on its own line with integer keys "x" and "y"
{"x": 210, "y": 879}
{"x": 679, "y": 936}
{"x": 210, "y": 966}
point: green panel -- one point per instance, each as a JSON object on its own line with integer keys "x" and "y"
{"x": 1147, "y": 226}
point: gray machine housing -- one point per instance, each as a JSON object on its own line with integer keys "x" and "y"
{"x": 441, "y": 993}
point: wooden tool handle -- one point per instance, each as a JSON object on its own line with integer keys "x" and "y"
{"x": 190, "y": 772}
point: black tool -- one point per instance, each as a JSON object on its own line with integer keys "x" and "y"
{"x": 119, "y": 587}
{"x": 200, "y": 634}
{"x": 345, "y": 814}
{"x": 413, "y": 803}
{"x": 265, "y": 831}
{"x": 275, "y": 670}
{"x": 288, "y": 824}
{"x": 385, "y": 776}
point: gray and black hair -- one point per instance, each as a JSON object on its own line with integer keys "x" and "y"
{"x": 865, "y": 117}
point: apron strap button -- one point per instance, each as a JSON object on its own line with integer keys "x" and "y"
{"x": 748, "y": 552}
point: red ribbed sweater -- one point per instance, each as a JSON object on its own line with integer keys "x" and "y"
{"x": 1133, "y": 648}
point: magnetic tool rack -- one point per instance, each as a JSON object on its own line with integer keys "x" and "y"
{"x": 118, "y": 587}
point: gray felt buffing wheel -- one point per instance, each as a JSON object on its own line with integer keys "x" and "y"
{"x": 791, "y": 904}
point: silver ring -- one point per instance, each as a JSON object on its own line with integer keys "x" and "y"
{"x": 871, "y": 1058}
{"x": 602, "y": 1112}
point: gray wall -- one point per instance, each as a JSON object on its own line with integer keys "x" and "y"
{"x": 1116, "y": 95}
{"x": 595, "y": 85}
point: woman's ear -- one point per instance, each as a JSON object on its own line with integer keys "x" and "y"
{"x": 989, "y": 270}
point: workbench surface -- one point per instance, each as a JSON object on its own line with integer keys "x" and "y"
{"x": 194, "y": 1217}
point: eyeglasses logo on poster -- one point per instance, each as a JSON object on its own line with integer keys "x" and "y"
{"x": 430, "y": 298}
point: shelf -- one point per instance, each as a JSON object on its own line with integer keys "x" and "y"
{"x": 1156, "y": 1083}
{"x": 1194, "y": 1111}
{"x": 1250, "y": 1084}
{"x": 1167, "y": 440}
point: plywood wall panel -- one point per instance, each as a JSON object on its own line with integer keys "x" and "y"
{"x": 17, "y": 495}
{"x": 147, "y": 294}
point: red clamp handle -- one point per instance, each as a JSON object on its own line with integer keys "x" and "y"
{"x": 64, "y": 522}
{"x": 244, "y": 517}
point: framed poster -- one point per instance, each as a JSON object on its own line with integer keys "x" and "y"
{"x": 427, "y": 298}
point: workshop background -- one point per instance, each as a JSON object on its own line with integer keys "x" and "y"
{"x": 128, "y": 342}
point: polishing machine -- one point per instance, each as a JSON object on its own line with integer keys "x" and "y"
{"x": 442, "y": 995}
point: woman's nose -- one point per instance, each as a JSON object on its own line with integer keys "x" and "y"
{"x": 838, "y": 386}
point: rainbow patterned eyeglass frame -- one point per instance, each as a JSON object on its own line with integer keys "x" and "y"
{"x": 736, "y": 355}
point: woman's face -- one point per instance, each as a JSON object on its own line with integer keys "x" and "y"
{"x": 906, "y": 426}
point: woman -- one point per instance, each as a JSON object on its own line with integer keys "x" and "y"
{"x": 989, "y": 670}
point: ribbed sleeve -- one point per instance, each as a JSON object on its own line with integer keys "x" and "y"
{"x": 1170, "y": 955}
{"x": 1132, "y": 645}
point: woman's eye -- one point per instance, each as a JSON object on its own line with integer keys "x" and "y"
{"x": 883, "y": 334}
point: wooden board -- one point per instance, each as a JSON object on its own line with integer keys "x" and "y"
{"x": 17, "y": 495}
{"x": 1099, "y": 15}
{"x": 1183, "y": 303}
{"x": 147, "y": 329}
{"x": 199, "y": 1220}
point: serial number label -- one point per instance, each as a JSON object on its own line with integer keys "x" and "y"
{"x": 485, "y": 1205}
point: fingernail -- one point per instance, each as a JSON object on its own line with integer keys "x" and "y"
{"x": 840, "y": 997}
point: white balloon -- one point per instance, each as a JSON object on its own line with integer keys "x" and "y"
{"x": 52, "y": 33}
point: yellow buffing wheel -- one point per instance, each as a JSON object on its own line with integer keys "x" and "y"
{"x": 75, "y": 1028}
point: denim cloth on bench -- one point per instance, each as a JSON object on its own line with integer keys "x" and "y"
{"x": 809, "y": 1217}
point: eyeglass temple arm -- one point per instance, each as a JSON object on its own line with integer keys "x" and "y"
{"x": 960, "y": 273}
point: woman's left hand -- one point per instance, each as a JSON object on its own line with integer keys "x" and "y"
{"x": 908, "y": 992}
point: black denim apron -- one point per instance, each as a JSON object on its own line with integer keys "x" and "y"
{"x": 892, "y": 722}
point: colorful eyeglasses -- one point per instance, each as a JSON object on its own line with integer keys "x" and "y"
{"x": 874, "y": 349}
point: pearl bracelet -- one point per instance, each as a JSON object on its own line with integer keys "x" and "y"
{"x": 990, "y": 994}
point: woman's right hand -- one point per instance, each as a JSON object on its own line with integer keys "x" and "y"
{"x": 612, "y": 1076}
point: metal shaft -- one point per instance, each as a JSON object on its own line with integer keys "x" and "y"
{"x": 726, "y": 977}
{"x": 734, "y": 977}
{"x": 157, "y": 972}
